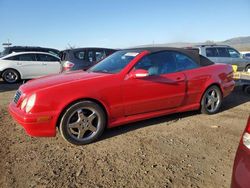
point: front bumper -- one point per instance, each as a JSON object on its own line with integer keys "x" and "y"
{"x": 38, "y": 125}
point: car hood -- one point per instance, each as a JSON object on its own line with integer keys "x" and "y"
{"x": 59, "y": 79}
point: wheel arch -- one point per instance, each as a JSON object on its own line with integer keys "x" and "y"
{"x": 10, "y": 68}
{"x": 210, "y": 85}
{"x": 79, "y": 100}
{"x": 248, "y": 65}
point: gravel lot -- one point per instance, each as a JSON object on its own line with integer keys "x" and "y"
{"x": 180, "y": 150}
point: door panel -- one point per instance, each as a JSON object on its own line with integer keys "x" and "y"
{"x": 50, "y": 64}
{"x": 226, "y": 60}
{"x": 153, "y": 93}
{"x": 53, "y": 67}
{"x": 31, "y": 69}
{"x": 28, "y": 66}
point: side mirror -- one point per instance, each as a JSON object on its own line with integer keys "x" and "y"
{"x": 139, "y": 73}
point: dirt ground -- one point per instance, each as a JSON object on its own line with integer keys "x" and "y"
{"x": 181, "y": 150}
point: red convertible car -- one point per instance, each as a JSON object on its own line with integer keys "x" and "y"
{"x": 130, "y": 85}
{"x": 241, "y": 170}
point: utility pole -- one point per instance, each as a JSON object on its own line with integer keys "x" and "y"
{"x": 7, "y": 43}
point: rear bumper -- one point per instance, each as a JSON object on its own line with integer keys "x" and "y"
{"x": 38, "y": 125}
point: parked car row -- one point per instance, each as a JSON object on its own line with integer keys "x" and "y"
{"x": 20, "y": 63}
{"x": 84, "y": 58}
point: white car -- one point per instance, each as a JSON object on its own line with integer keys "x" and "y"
{"x": 28, "y": 65}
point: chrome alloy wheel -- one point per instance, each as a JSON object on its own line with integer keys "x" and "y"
{"x": 83, "y": 123}
{"x": 10, "y": 76}
{"x": 212, "y": 100}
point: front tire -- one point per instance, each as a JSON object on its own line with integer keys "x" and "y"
{"x": 11, "y": 76}
{"x": 83, "y": 123}
{"x": 211, "y": 100}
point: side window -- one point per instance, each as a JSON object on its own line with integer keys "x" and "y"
{"x": 99, "y": 55}
{"x": 44, "y": 57}
{"x": 109, "y": 52}
{"x": 16, "y": 50}
{"x": 233, "y": 53}
{"x": 158, "y": 63}
{"x": 14, "y": 58}
{"x": 222, "y": 52}
{"x": 52, "y": 52}
{"x": 184, "y": 62}
{"x": 91, "y": 56}
{"x": 211, "y": 52}
{"x": 80, "y": 55}
{"x": 26, "y": 57}
{"x": 96, "y": 55}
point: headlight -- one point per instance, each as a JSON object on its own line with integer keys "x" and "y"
{"x": 30, "y": 103}
{"x": 24, "y": 103}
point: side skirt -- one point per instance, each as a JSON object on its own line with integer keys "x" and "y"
{"x": 140, "y": 117}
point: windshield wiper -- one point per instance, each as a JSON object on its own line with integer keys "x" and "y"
{"x": 101, "y": 71}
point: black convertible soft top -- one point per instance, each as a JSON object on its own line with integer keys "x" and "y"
{"x": 193, "y": 54}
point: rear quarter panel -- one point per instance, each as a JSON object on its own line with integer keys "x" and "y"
{"x": 198, "y": 80}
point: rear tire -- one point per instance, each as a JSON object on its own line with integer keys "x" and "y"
{"x": 83, "y": 123}
{"x": 11, "y": 76}
{"x": 247, "y": 68}
{"x": 211, "y": 100}
{"x": 246, "y": 89}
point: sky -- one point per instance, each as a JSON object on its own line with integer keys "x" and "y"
{"x": 120, "y": 23}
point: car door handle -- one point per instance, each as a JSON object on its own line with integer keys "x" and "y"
{"x": 19, "y": 63}
{"x": 44, "y": 63}
{"x": 179, "y": 79}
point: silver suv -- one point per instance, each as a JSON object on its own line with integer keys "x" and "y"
{"x": 224, "y": 54}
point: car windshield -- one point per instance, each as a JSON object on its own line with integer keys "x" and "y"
{"x": 115, "y": 62}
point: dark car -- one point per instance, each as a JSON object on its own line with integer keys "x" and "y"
{"x": 83, "y": 58}
{"x": 11, "y": 49}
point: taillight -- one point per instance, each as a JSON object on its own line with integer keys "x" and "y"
{"x": 67, "y": 66}
{"x": 246, "y": 140}
{"x": 246, "y": 135}
{"x": 230, "y": 76}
